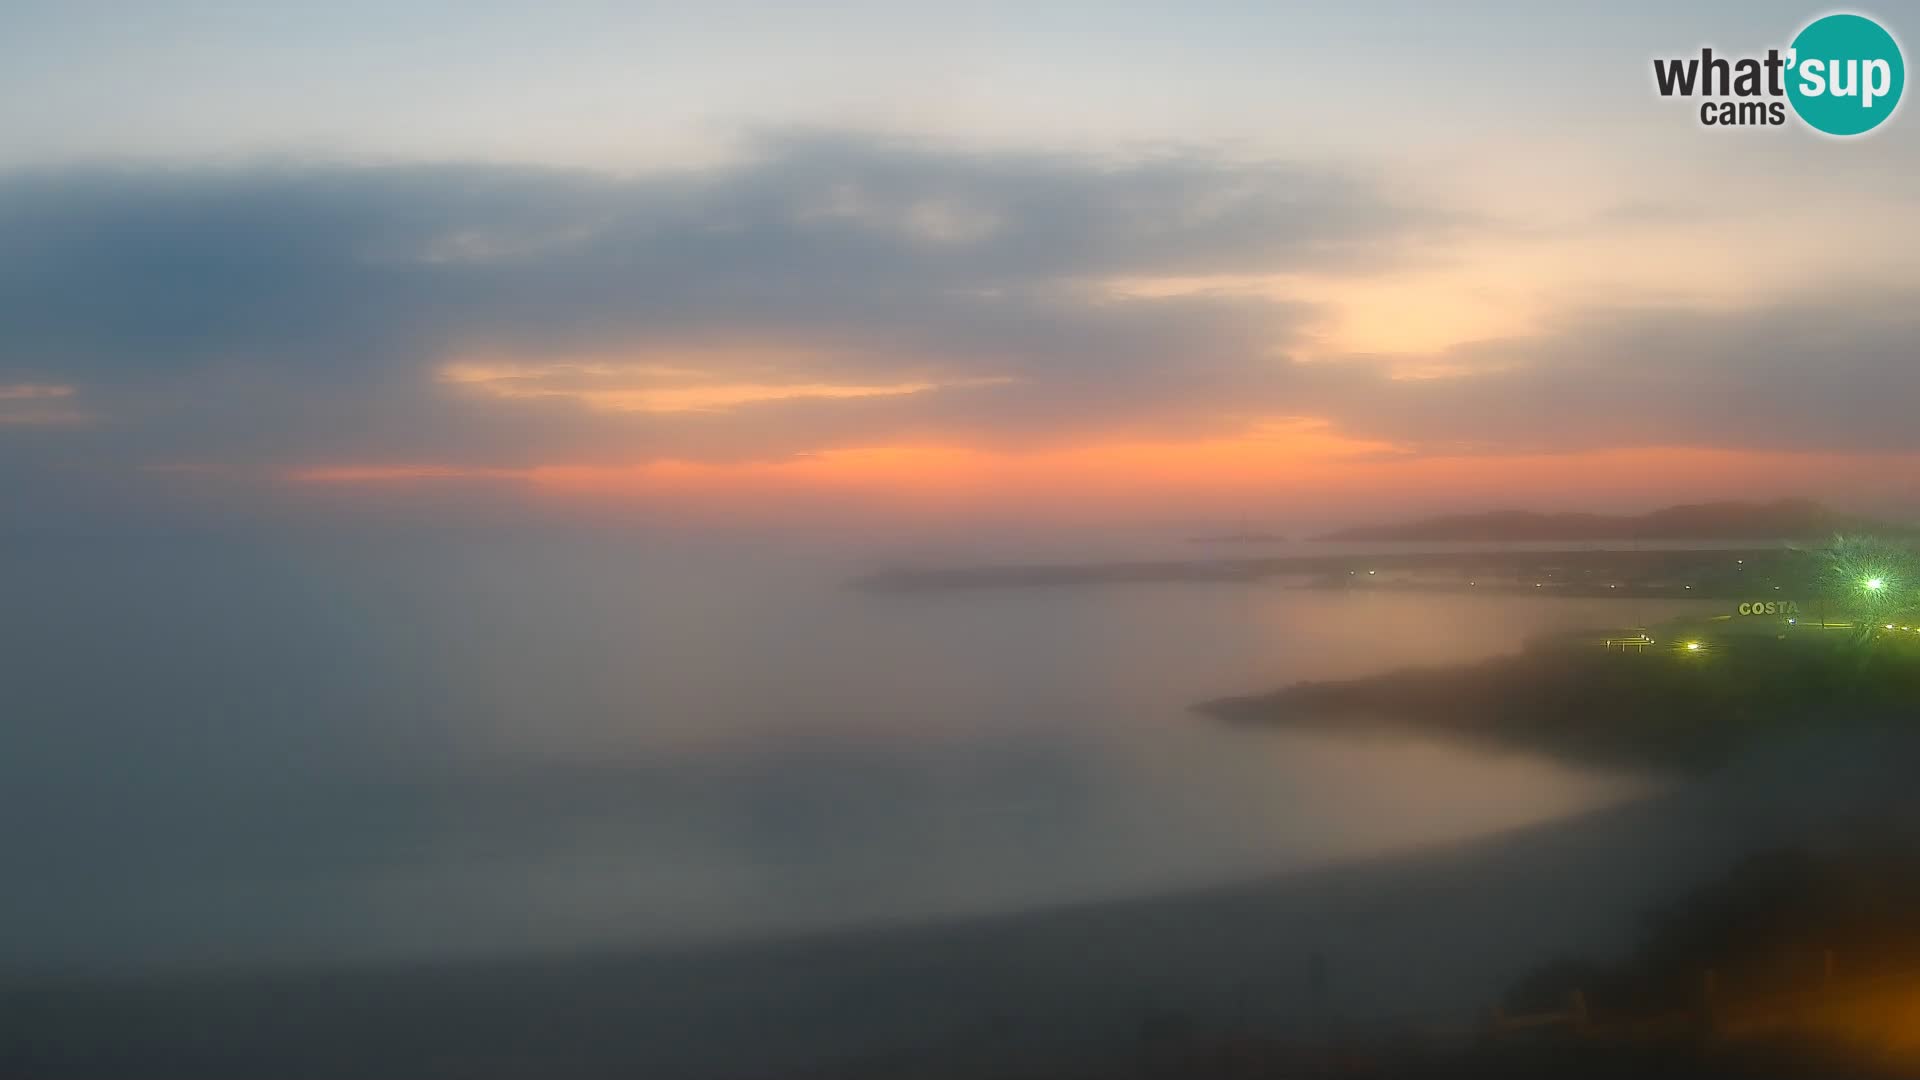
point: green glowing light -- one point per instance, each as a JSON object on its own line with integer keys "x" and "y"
{"x": 1875, "y": 584}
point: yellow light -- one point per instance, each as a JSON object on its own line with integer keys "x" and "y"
{"x": 1692, "y": 646}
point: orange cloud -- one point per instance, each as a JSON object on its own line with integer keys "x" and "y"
{"x": 34, "y": 404}
{"x": 33, "y": 392}
{"x": 662, "y": 387}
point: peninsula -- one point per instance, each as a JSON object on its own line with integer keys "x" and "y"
{"x": 1784, "y": 519}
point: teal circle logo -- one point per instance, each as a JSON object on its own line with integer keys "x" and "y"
{"x": 1845, "y": 74}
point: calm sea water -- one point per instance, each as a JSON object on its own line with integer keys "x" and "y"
{"x": 224, "y": 754}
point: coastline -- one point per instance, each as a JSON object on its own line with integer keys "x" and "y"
{"x": 1421, "y": 938}
{"x": 1427, "y": 935}
{"x": 1679, "y": 572}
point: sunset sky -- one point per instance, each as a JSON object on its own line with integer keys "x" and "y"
{"x": 788, "y": 263}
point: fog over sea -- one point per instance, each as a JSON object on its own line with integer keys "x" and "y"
{"x": 227, "y": 754}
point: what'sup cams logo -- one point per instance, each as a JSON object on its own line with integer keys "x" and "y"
{"x": 1842, "y": 75}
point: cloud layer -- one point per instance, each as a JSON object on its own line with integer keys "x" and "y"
{"x": 835, "y": 292}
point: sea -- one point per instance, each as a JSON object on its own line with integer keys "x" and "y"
{"x": 269, "y": 752}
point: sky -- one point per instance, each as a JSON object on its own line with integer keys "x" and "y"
{"x": 789, "y": 264}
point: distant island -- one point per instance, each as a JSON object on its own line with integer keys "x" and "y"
{"x": 1783, "y": 519}
{"x": 1242, "y": 536}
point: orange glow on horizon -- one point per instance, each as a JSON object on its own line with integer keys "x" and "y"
{"x": 1298, "y": 458}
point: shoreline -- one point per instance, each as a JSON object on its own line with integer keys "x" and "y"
{"x": 1680, "y": 573}
{"x": 1420, "y": 933}
{"x": 1420, "y": 938}
{"x": 1686, "y": 695}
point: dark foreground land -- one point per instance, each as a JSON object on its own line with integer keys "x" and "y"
{"x": 1802, "y": 959}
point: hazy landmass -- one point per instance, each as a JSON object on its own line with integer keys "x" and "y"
{"x": 1784, "y": 519}
{"x": 1681, "y": 573}
{"x": 1663, "y": 705}
{"x": 1251, "y": 536}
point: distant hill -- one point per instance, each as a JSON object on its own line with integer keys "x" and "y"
{"x": 1245, "y": 536}
{"x": 1783, "y": 519}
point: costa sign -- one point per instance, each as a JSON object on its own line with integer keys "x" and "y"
{"x": 1770, "y": 607}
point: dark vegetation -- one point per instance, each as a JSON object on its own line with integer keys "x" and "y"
{"x": 1776, "y": 923}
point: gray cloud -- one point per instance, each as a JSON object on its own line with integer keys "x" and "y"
{"x": 142, "y": 271}
{"x": 285, "y": 311}
{"x": 292, "y": 314}
{"x": 1835, "y": 373}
